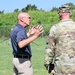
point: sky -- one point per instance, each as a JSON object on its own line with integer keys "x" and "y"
{"x": 47, "y": 5}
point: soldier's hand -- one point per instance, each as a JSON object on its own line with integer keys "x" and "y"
{"x": 52, "y": 72}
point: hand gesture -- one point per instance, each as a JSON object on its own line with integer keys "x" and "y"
{"x": 32, "y": 30}
{"x": 38, "y": 30}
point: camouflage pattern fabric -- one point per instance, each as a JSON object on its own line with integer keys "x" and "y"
{"x": 60, "y": 48}
{"x": 64, "y": 8}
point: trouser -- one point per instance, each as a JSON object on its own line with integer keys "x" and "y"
{"x": 22, "y": 66}
{"x": 64, "y": 74}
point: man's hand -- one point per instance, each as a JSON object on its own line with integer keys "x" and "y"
{"x": 36, "y": 30}
{"x": 31, "y": 31}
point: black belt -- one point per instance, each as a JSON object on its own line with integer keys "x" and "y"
{"x": 22, "y": 56}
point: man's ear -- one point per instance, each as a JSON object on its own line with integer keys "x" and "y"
{"x": 21, "y": 19}
{"x": 70, "y": 14}
{"x": 60, "y": 13}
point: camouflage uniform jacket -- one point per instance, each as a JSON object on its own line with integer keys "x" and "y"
{"x": 60, "y": 46}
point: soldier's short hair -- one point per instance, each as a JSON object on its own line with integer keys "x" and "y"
{"x": 65, "y": 8}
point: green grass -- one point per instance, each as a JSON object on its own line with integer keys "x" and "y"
{"x": 38, "y": 47}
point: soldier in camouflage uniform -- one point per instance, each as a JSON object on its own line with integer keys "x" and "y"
{"x": 60, "y": 49}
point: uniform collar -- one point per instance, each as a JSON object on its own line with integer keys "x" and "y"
{"x": 66, "y": 20}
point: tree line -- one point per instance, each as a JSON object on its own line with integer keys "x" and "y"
{"x": 38, "y": 16}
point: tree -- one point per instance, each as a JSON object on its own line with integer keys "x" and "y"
{"x": 16, "y": 10}
{"x": 29, "y": 7}
{"x": 2, "y": 12}
{"x": 54, "y": 9}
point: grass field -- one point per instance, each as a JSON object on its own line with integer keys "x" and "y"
{"x": 38, "y": 48}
